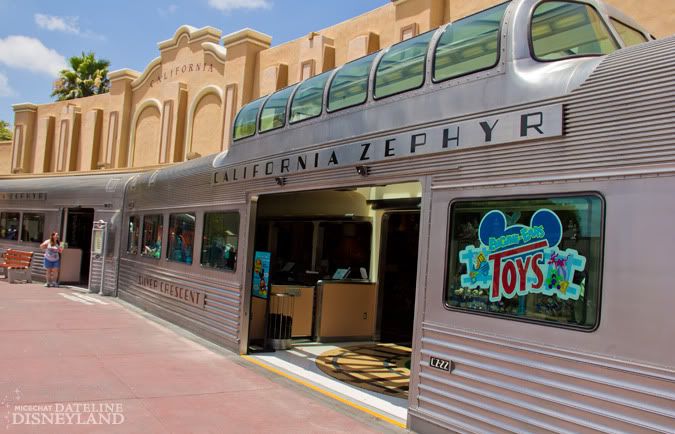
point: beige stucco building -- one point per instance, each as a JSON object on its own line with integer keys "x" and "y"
{"x": 183, "y": 104}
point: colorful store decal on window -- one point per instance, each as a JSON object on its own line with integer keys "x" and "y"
{"x": 519, "y": 260}
{"x": 261, "y": 274}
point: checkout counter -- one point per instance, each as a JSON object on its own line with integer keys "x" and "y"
{"x": 331, "y": 311}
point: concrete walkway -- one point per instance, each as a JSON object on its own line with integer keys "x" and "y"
{"x": 74, "y": 362}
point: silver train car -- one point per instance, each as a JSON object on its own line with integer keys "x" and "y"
{"x": 84, "y": 210}
{"x": 491, "y": 194}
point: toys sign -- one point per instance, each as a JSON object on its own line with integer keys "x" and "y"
{"x": 520, "y": 260}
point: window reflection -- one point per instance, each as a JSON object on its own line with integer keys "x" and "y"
{"x": 181, "y": 237}
{"x": 9, "y": 226}
{"x": 32, "y": 227}
{"x": 152, "y": 236}
{"x": 221, "y": 240}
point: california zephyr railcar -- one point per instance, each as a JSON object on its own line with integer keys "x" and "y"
{"x": 494, "y": 195}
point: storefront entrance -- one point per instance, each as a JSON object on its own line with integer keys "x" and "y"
{"x": 77, "y": 235}
{"x": 333, "y": 286}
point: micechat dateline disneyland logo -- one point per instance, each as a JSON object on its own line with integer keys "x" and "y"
{"x": 74, "y": 413}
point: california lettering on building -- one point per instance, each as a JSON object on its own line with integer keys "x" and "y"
{"x": 523, "y": 125}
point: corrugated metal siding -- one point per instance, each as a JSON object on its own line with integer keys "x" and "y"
{"x": 618, "y": 122}
{"x": 218, "y": 320}
{"x": 519, "y": 387}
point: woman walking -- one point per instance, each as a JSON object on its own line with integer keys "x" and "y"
{"x": 52, "y": 263}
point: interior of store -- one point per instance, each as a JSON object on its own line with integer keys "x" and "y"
{"x": 334, "y": 285}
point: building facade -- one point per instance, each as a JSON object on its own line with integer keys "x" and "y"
{"x": 183, "y": 104}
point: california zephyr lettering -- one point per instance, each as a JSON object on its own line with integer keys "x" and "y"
{"x": 523, "y": 125}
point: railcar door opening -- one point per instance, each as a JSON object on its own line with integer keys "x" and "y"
{"x": 334, "y": 283}
{"x": 76, "y": 233}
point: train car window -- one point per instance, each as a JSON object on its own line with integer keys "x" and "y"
{"x": 9, "y": 226}
{"x": 273, "y": 113}
{"x": 469, "y": 45}
{"x": 629, "y": 35}
{"x": 134, "y": 231}
{"x": 349, "y": 86}
{"x": 536, "y": 259}
{"x": 221, "y": 240}
{"x": 181, "y": 237}
{"x": 152, "y": 236}
{"x": 402, "y": 67}
{"x": 32, "y": 227}
{"x": 561, "y": 30}
{"x": 308, "y": 99}
{"x": 247, "y": 119}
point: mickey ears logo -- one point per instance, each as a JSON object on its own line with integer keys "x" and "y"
{"x": 544, "y": 224}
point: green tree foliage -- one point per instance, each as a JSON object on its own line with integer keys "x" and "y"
{"x": 87, "y": 76}
{"x": 5, "y": 133}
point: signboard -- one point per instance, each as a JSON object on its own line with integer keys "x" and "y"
{"x": 520, "y": 259}
{"x": 173, "y": 291}
{"x": 261, "y": 274}
{"x": 517, "y": 126}
{"x": 98, "y": 237}
{"x": 23, "y": 196}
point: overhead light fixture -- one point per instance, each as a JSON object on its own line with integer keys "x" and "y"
{"x": 363, "y": 170}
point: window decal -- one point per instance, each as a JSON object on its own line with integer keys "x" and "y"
{"x": 518, "y": 260}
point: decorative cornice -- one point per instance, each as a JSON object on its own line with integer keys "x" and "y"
{"x": 247, "y": 35}
{"x": 122, "y": 74}
{"x": 193, "y": 35}
{"x": 25, "y": 107}
{"x": 157, "y": 61}
{"x": 218, "y": 51}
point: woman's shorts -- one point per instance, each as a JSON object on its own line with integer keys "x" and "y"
{"x": 52, "y": 264}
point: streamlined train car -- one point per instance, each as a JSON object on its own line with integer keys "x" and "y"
{"x": 73, "y": 206}
{"x": 494, "y": 194}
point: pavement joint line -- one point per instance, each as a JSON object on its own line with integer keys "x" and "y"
{"x": 324, "y": 392}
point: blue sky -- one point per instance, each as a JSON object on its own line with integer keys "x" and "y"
{"x": 36, "y": 37}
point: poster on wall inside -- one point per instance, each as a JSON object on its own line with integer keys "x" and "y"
{"x": 261, "y": 274}
{"x": 521, "y": 259}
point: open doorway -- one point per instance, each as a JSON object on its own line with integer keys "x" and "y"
{"x": 77, "y": 234}
{"x": 334, "y": 286}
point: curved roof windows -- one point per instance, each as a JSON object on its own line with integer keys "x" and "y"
{"x": 273, "y": 113}
{"x": 629, "y": 35}
{"x": 561, "y": 30}
{"x": 402, "y": 67}
{"x": 350, "y": 84}
{"x": 308, "y": 100}
{"x": 469, "y": 45}
{"x": 247, "y": 118}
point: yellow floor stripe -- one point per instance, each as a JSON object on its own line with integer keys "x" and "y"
{"x": 324, "y": 392}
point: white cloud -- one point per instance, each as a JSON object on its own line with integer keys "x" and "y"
{"x": 169, "y": 10}
{"x": 228, "y": 5}
{"x": 59, "y": 24}
{"x": 24, "y": 52}
{"x": 5, "y": 89}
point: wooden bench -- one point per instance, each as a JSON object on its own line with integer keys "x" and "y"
{"x": 17, "y": 264}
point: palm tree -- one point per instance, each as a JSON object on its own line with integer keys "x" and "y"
{"x": 87, "y": 76}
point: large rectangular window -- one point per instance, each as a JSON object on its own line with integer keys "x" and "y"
{"x": 469, "y": 45}
{"x": 134, "y": 231}
{"x": 537, "y": 259}
{"x": 152, "y": 236}
{"x": 9, "y": 226}
{"x": 33, "y": 227}
{"x": 402, "y": 68}
{"x": 221, "y": 240}
{"x": 561, "y": 29}
{"x": 181, "y": 237}
{"x": 349, "y": 86}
